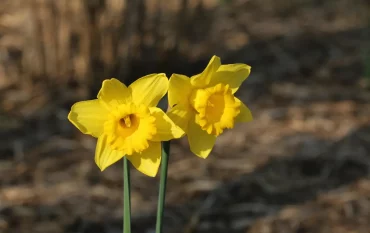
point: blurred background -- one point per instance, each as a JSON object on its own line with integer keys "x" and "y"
{"x": 302, "y": 166}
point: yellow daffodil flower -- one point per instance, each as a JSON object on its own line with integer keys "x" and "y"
{"x": 127, "y": 123}
{"x": 204, "y": 105}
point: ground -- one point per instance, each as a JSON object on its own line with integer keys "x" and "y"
{"x": 301, "y": 166}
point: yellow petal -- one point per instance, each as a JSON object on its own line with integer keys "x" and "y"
{"x": 201, "y": 143}
{"x": 147, "y": 161}
{"x": 245, "y": 114}
{"x": 89, "y": 116}
{"x": 180, "y": 115}
{"x": 204, "y": 78}
{"x": 104, "y": 155}
{"x": 166, "y": 129}
{"x": 233, "y": 75}
{"x": 149, "y": 89}
{"x": 179, "y": 89}
{"x": 114, "y": 92}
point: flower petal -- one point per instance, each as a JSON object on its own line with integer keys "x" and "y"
{"x": 245, "y": 114}
{"x": 114, "y": 92}
{"x": 179, "y": 89}
{"x": 149, "y": 89}
{"x": 201, "y": 143}
{"x": 233, "y": 75}
{"x": 204, "y": 78}
{"x": 166, "y": 128}
{"x": 147, "y": 161}
{"x": 104, "y": 155}
{"x": 89, "y": 116}
{"x": 180, "y": 115}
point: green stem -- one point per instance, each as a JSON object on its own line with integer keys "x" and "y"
{"x": 126, "y": 197}
{"x": 162, "y": 186}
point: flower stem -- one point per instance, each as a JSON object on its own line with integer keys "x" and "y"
{"x": 126, "y": 197}
{"x": 162, "y": 185}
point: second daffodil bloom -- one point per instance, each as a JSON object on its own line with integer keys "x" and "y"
{"x": 204, "y": 105}
{"x": 127, "y": 122}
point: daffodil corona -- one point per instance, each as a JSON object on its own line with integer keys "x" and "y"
{"x": 127, "y": 123}
{"x": 204, "y": 105}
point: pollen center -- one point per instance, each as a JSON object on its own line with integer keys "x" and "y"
{"x": 127, "y": 125}
{"x": 125, "y": 122}
{"x": 215, "y": 108}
